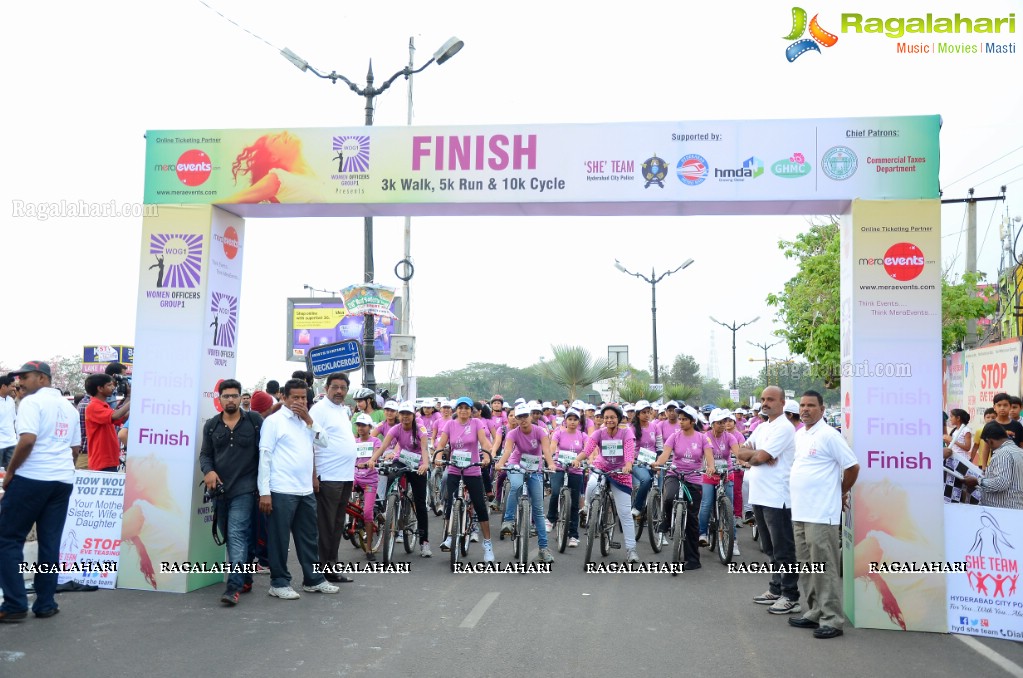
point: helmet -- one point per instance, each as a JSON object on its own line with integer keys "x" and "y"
{"x": 617, "y": 410}
{"x": 707, "y": 409}
{"x": 363, "y": 394}
{"x": 497, "y": 396}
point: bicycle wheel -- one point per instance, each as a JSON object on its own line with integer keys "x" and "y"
{"x": 639, "y": 521}
{"x": 410, "y": 526}
{"x": 436, "y": 495}
{"x": 678, "y": 532}
{"x": 712, "y": 527}
{"x": 607, "y": 523}
{"x": 653, "y": 512}
{"x": 726, "y": 530}
{"x": 564, "y": 511}
{"x": 466, "y": 526}
{"x": 505, "y": 491}
{"x": 522, "y": 542}
{"x": 592, "y": 527}
{"x": 390, "y": 530}
{"x": 455, "y": 531}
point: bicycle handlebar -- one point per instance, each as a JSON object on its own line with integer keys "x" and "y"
{"x": 447, "y": 462}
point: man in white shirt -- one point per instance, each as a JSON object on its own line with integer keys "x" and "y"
{"x": 37, "y": 488}
{"x": 335, "y": 470}
{"x": 285, "y": 482}
{"x": 769, "y": 452}
{"x": 823, "y": 472}
{"x": 7, "y": 413}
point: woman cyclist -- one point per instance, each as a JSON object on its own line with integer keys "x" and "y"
{"x": 690, "y": 451}
{"x": 366, "y": 476}
{"x": 567, "y": 443}
{"x": 649, "y": 445}
{"x": 616, "y": 449}
{"x": 466, "y": 435}
{"x": 724, "y": 445}
{"x": 525, "y": 446}
{"x": 408, "y": 440}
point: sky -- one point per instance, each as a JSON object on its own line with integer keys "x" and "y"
{"x": 83, "y": 89}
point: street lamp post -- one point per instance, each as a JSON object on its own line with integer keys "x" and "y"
{"x": 653, "y": 280}
{"x": 369, "y": 92}
{"x": 734, "y": 328}
{"x": 766, "y": 361}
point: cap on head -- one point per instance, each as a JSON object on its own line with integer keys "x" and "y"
{"x": 364, "y": 419}
{"x": 463, "y": 401}
{"x": 790, "y": 407}
{"x": 522, "y": 409}
{"x": 33, "y": 366}
{"x": 406, "y": 407}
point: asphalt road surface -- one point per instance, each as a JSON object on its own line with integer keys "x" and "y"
{"x": 432, "y": 622}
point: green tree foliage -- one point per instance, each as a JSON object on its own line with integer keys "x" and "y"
{"x": 681, "y": 392}
{"x": 959, "y": 302}
{"x": 711, "y": 391}
{"x": 749, "y": 387}
{"x": 575, "y": 369}
{"x": 482, "y": 380}
{"x": 684, "y": 370}
{"x": 634, "y": 390}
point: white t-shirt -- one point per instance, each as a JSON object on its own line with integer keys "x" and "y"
{"x": 769, "y": 484}
{"x": 286, "y": 454}
{"x": 816, "y": 480}
{"x": 337, "y": 460}
{"x": 8, "y": 438}
{"x": 54, "y": 422}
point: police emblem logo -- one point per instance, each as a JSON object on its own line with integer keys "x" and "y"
{"x": 654, "y": 171}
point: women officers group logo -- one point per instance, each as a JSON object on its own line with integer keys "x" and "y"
{"x": 178, "y": 259}
{"x": 225, "y": 319}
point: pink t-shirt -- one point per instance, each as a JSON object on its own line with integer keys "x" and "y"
{"x": 382, "y": 428}
{"x": 464, "y": 438}
{"x": 439, "y": 428}
{"x": 648, "y": 438}
{"x": 722, "y": 447}
{"x": 667, "y": 428}
{"x": 528, "y": 444}
{"x": 569, "y": 442}
{"x": 687, "y": 451}
{"x": 366, "y": 476}
{"x": 403, "y": 439}
{"x": 615, "y": 463}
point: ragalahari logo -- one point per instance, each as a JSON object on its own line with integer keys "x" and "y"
{"x": 818, "y": 36}
{"x": 178, "y": 259}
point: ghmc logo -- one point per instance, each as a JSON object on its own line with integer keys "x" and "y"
{"x": 818, "y": 36}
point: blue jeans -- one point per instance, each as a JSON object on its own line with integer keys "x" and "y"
{"x": 643, "y": 479}
{"x": 235, "y": 517}
{"x": 293, "y": 515}
{"x": 707, "y": 503}
{"x": 575, "y": 484}
{"x": 28, "y": 501}
{"x": 535, "y": 499}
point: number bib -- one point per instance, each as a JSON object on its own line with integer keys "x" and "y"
{"x": 364, "y": 450}
{"x": 529, "y": 462}
{"x": 461, "y": 458}
{"x": 410, "y": 458}
{"x": 612, "y": 450}
{"x": 647, "y": 456}
{"x": 566, "y": 457}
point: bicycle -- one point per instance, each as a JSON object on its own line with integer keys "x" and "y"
{"x": 721, "y": 526}
{"x": 399, "y": 511}
{"x": 523, "y": 513}
{"x": 654, "y": 510}
{"x": 645, "y": 518}
{"x": 601, "y": 516}
{"x": 460, "y": 522}
{"x": 679, "y": 515}
{"x": 435, "y": 490}
{"x": 355, "y": 523}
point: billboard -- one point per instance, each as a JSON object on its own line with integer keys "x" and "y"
{"x": 95, "y": 358}
{"x": 315, "y": 322}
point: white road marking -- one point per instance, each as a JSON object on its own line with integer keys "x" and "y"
{"x": 983, "y": 650}
{"x": 477, "y": 612}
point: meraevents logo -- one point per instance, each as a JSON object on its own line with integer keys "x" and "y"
{"x": 894, "y": 28}
{"x": 903, "y": 261}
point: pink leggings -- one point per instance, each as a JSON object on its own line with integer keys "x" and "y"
{"x": 369, "y": 496}
{"x": 737, "y": 493}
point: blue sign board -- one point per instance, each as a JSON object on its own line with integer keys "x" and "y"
{"x": 342, "y": 356}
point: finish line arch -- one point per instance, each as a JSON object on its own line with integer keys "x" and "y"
{"x": 880, "y": 174}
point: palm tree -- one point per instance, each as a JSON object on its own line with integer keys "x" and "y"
{"x": 574, "y": 368}
{"x": 726, "y": 403}
{"x": 681, "y": 392}
{"x": 634, "y": 390}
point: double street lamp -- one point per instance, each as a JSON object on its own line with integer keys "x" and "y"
{"x": 767, "y": 362}
{"x": 734, "y": 328}
{"x": 369, "y": 92}
{"x": 653, "y": 280}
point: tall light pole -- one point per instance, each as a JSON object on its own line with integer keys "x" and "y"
{"x": 653, "y": 280}
{"x": 766, "y": 361}
{"x": 734, "y": 328}
{"x": 369, "y": 92}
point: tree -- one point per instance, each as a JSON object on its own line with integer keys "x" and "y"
{"x": 684, "y": 370}
{"x": 749, "y": 387}
{"x": 680, "y": 393}
{"x": 711, "y": 391}
{"x": 67, "y": 374}
{"x": 810, "y": 302}
{"x": 960, "y": 302}
{"x": 574, "y": 368}
{"x": 634, "y": 390}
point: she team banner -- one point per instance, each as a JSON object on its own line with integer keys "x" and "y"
{"x": 653, "y": 167}
{"x": 90, "y": 546}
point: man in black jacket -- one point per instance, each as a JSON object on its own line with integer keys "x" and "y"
{"x": 229, "y": 460}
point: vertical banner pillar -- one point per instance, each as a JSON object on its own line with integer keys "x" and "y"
{"x": 891, "y": 398}
{"x": 185, "y": 340}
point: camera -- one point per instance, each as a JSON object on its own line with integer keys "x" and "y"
{"x": 123, "y": 384}
{"x": 218, "y": 492}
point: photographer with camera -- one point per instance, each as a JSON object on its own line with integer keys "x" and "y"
{"x": 101, "y": 422}
{"x": 229, "y": 460}
{"x": 122, "y": 386}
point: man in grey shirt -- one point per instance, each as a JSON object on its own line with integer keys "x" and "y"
{"x": 1002, "y": 483}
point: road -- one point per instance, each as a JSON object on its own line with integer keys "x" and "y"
{"x": 432, "y": 622}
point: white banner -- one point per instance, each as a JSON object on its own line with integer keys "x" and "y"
{"x": 986, "y": 599}
{"x": 91, "y": 541}
{"x": 990, "y": 370}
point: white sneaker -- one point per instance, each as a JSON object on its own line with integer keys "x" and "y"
{"x": 445, "y": 545}
{"x": 664, "y": 539}
{"x": 475, "y": 536}
{"x": 488, "y": 551}
{"x": 424, "y": 550}
{"x": 399, "y": 539}
{"x": 636, "y": 513}
{"x": 704, "y": 541}
{"x": 573, "y": 542}
{"x": 735, "y": 550}
{"x": 323, "y": 587}
{"x": 633, "y": 557}
{"x": 549, "y": 526}
{"x": 284, "y": 593}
